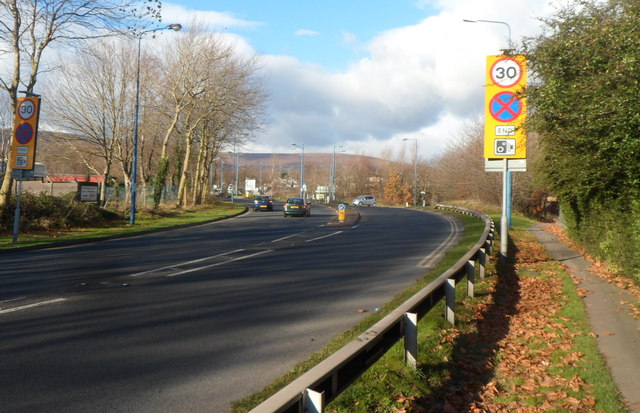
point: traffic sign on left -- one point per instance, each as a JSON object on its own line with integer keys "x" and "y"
{"x": 23, "y": 147}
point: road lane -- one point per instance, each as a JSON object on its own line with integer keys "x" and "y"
{"x": 49, "y": 270}
{"x": 197, "y": 341}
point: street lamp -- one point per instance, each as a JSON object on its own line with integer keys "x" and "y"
{"x": 235, "y": 189}
{"x": 492, "y": 21}
{"x": 134, "y": 167}
{"x": 211, "y": 174}
{"x": 415, "y": 170}
{"x": 234, "y": 174}
{"x": 333, "y": 173}
{"x": 302, "y": 186}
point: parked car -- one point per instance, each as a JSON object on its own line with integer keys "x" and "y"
{"x": 263, "y": 203}
{"x": 368, "y": 200}
{"x": 297, "y": 206}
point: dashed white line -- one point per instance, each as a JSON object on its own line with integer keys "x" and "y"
{"x": 168, "y": 267}
{"x": 219, "y": 263}
{"x": 287, "y": 237}
{"x": 324, "y": 236}
{"x": 27, "y": 306}
{"x": 12, "y": 299}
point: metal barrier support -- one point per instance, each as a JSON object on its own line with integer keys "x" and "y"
{"x": 471, "y": 277}
{"x": 411, "y": 339}
{"x": 450, "y": 293}
{"x": 313, "y": 401}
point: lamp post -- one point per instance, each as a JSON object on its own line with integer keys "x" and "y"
{"x": 211, "y": 174}
{"x": 234, "y": 172}
{"x": 492, "y": 21}
{"x": 301, "y": 147}
{"x": 134, "y": 167}
{"x": 333, "y": 173}
{"x": 221, "y": 175}
{"x": 415, "y": 170}
{"x": 235, "y": 189}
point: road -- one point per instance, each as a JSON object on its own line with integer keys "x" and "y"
{"x": 192, "y": 319}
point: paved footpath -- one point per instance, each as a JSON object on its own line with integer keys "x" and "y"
{"x": 618, "y": 333}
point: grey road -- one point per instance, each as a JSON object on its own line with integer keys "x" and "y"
{"x": 190, "y": 320}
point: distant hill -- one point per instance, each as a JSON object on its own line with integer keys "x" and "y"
{"x": 291, "y": 161}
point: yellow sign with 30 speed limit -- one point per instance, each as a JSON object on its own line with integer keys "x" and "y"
{"x": 505, "y": 108}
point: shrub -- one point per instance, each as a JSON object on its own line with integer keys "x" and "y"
{"x": 45, "y": 212}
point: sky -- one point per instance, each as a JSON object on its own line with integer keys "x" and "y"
{"x": 367, "y": 76}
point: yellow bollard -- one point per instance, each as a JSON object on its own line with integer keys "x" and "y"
{"x": 342, "y": 212}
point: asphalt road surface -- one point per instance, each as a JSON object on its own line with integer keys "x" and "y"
{"x": 189, "y": 320}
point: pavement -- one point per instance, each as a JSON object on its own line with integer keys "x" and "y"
{"x": 618, "y": 333}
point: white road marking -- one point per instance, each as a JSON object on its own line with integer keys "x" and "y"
{"x": 324, "y": 236}
{"x": 219, "y": 263}
{"x": 13, "y": 299}
{"x": 173, "y": 266}
{"x": 25, "y": 307}
{"x": 287, "y": 237}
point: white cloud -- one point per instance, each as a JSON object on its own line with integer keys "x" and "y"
{"x": 422, "y": 82}
{"x": 348, "y": 38}
{"x": 213, "y": 20}
{"x": 306, "y": 32}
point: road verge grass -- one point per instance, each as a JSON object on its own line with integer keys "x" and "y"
{"x": 146, "y": 220}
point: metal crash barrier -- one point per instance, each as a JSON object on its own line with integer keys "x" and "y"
{"x": 312, "y": 391}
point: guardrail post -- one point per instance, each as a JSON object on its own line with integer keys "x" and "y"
{"x": 492, "y": 234}
{"x": 313, "y": 401}
{"x": 471, "y": 277}
{"x": 483, "y": 261}
{"x": 450, "y": 292}
{"x": 487, "y": 246}
{"x": 411, "y": 339}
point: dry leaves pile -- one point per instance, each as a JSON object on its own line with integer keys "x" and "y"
{"x": 509, "y": 361}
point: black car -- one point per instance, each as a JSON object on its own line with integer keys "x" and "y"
{"x": 297, "y": 206}
{"x": 263, "y": 203}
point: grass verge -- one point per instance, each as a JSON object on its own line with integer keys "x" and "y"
{"x": 146, "y": 220}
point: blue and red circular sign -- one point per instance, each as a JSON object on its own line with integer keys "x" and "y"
{"x": 24, "y": 133}
{"x": 505, "y": 106}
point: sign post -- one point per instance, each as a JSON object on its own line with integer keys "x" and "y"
{"x": 23, "y": 147}
{"x": 504, "y": 133}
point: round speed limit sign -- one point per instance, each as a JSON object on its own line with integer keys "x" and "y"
{"x": 506, "y": 72}
{"x": 27, "y": 109}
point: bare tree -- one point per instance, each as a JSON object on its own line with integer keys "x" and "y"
{"x": 101, "y": 120}
{"x": 28, "y": 27}
{"x": 224, "y": 106}
{"x": 459, "y": 173}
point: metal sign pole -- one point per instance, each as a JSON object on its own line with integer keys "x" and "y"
{"x": 504, "y": 227}
{"x": 509, "y": 197}
{"x": 16, "y": 215}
